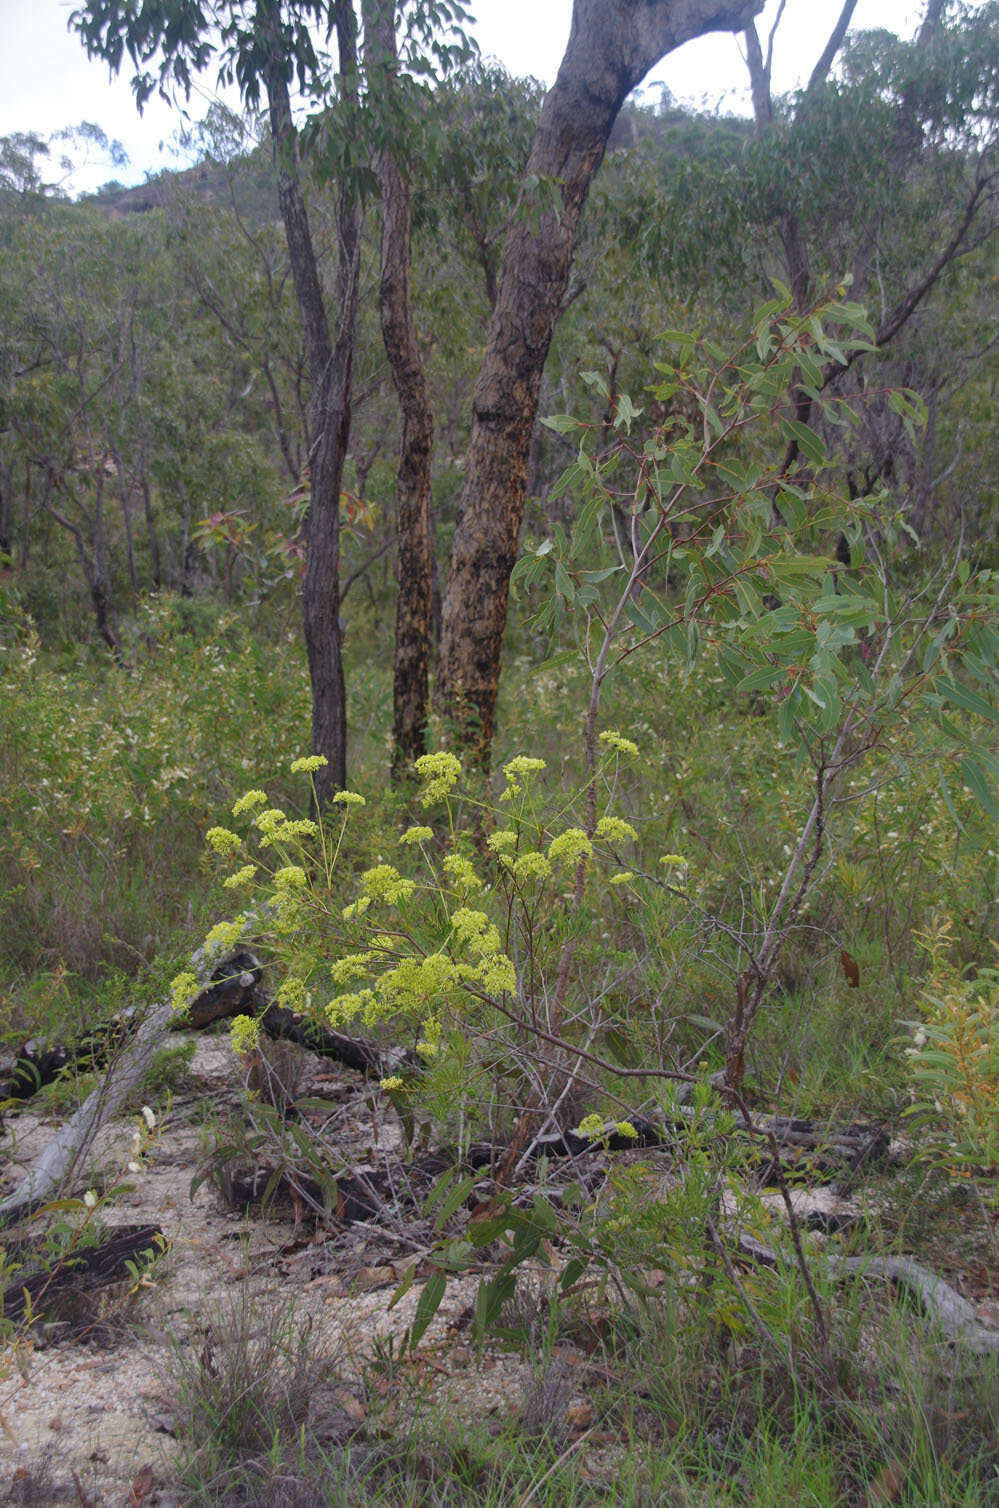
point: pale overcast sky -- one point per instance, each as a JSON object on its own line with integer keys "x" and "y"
{"x": 46, "y": 81}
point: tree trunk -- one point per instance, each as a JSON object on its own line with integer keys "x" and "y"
{"x": 612, "y": 45}
{"x": 414, "y": 559}
{"x": 330, "y": 365}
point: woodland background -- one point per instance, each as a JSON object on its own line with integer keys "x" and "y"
{"x": 757, "y": 551}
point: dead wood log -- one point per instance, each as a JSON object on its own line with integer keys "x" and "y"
{"x": 71, "y": 1143}
{"x": 235, "y": 987}
{"x": 84, "y": 1271}
{"x": 39, "y": 1063}
{"x": 369, "y": 1058}
{"x": 942, "y": 1305}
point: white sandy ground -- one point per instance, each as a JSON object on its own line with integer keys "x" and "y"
{"x": 101, "y": 1411}
{"x": 104, "y": 1409}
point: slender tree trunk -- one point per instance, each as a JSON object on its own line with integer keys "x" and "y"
{"x": 125, "y": 496}
{"x": 612, "y": 45}
{"x": 25, "y": 551}
{"x": 92, "y": 558}
{"x": 6, "y": 488}
{"x": 330, "y": 368}
{"x": 414, "y": 558}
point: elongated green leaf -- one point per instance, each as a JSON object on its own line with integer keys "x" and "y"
{"x": 945, "y": 791}
{"x": 974, "y": 778}
{"x": 760, "y": 680}
{"x": 407, "y": 1282}
{"x": 808, "y": 442}
{"x": 963, "y": 697}
{"x": 427, "y": 1306}
{"x": 571, "y": 1273}
{"x": 560, "y": 423}
{"x": 645, "y": 621}
{"x": 456, "y": 1196}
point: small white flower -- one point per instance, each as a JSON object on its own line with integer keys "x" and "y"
{"x": 135, "y": 1167}
{"x": 90, "y": 1199}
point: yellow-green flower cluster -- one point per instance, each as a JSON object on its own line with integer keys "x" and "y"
{"x": 516, "y": 770}
{"x": 223, "y": 841}
{"x": 301, "y": 827}
{"x": 269, "y": 821}
{"x": 385, "y": 883}
{"x": 461, "y": 873}
{"x": 496, "y": 975}
{"x": 183, "y": 989}
{"x": 473, "y": 930}
{"x": 352, "y": 966}
{"x": 530, "y": 866}
{"x": 348, "y": 798}
{"x": 224, "y": 935}
{"x": 241, "y": 877}
{"x": 440, "y": 772}
{"x": 429, "y": 1044}
{"x": 417, "y": 835}
{"x": 613, "y": 740}
{"x": 615, "y": 830}
{"x": 591, "y": 1126}
{"x": 291, "y": 877}
{"x": 244, "y": 1034}
{"x": 625, "y": 1128}
{"x": 393, "y": 1082}
{"x": 248, "y": 802}
{"x": 623, "y": 877}
{"x": 502, "y": 841}
{"x": 308, "y": 764}
{"x": 346, "y": 1008}
{"x": 569, "y": 847}
{"x": 293, "y": 995}
{"x": 287, "y": 914}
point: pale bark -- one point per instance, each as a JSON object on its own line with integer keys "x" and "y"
{"x": 612, "y": 45}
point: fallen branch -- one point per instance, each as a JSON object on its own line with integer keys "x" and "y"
{"x": 83, "y": 1271}
{"x": 942, "y": 1305}
{"x": 70, "y": 1145}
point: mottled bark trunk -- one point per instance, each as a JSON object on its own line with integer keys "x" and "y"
{"x": 414, "y": 558}
{"x": 612, "y": 45}
{"x": 330, "y": 367}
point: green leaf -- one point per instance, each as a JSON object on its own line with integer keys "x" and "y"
{"x": 406, "y": 1284}
{"x": 808, "y": 442}
{"x": 945, "y": 791}
{"x": 640, "y": 619}
{"x": 626, "y": 413}
{"x": 564, "y": 584}
{"x": 622, "y": 1047}
{"x": 741, "y": 478}
{"x": 564, "y": 657}
{"x": 967, "y": 700}
{"x": 426, "y": 1307}
{"x": 457, "y": 1195}
{"x": 975, "y": 779}
{"x": 760, "y": 680}
{"x": 793, "y": 567}
{"x": 562, "y": 424}
{"x": 572, "y": 1272}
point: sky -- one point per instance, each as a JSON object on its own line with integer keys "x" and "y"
{"x": 47, "y": 82}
